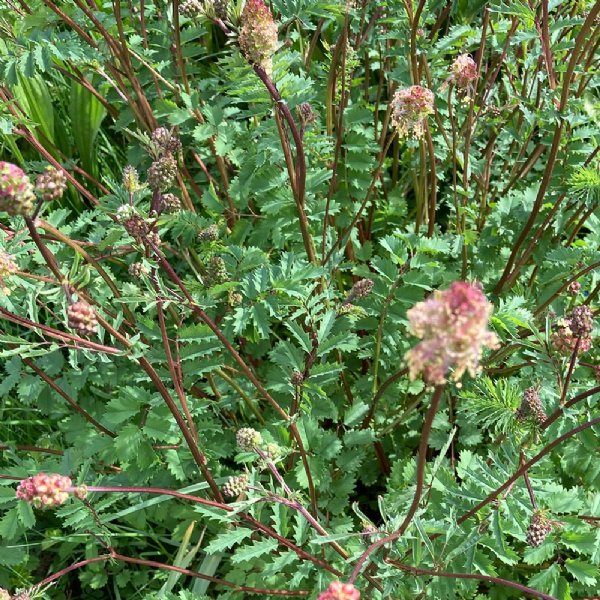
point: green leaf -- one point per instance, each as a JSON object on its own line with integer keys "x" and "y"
{"x": 582, "y": 571}
{"x": 228, "y": 539}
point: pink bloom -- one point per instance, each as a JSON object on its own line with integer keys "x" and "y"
{"x": 463, "y": 71}
{"x": 576, "y": 326}
{"x": 44, "y": 491}
{"x": 340, "y": 591}
{"x": 16, "y": 191}
{"x": 452, "y": 325}
{"x": 410, "y": 109}
{"x": 258, "y": 35}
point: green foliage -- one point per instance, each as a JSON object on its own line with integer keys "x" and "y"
{"x": 236, "y": 305}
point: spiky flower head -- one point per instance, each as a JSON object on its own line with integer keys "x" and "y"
{"x": 361, "y": 289}
{"x": 51, "y": 184}
{"x": 236, "y": 485}
{"x": 463, "y": 71}
{"x": 190, "y": 8}
{"x": 162, "y": 173}
{"x": 410, "y": 108}
{"x": 82, "y": 318}
{"x": 131, "y": 179}
{"x": 166, "y": 141}
{"x": 258, "y": 35}
{"x": 170, "y": 203}
{"x": 453, "y": 327}
{"x": 138, "y": 269}
{"x": 539, "y": 528}
{"x": 16, "y": 191}
{"x": 531, "y": 405}
{"x": 44, "y": 491}
{"x": 247, "y": 439}
{"x": 340, "y": 591}
{"x": 209, "y": 234}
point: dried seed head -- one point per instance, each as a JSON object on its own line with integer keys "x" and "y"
{"x": 162, "y": 173}
{"x": 82, "y": 318}
{"x": 410, "y": 108}
{"x": 581, "y": 321}
{"x": 190, "y": 8}
{"x": 51, "y": 184}
{"x": 16, "y": 191}
{"x": 131, "y": 179}
{"x": 166, "y": 140}
{"x": 340, "y": 591}
{"x": 539, "y": 528}
{"x": 209, "y": 234}
{"x": 531, "y": 405}
{"x": 452, "y": 325}
{"x": 138, "y": 269}
{"x": 258, "y": 34}
{"x": 44, "y": 491}
{"x": 361, "y": 289}
{"x": 170, "y": 203}
{"x": 247, "y": 439}
{"x": 236, "y": 485}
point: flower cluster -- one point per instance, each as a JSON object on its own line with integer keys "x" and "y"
{"x": 16, "y": 190}
{"x": 82, "y": 318}
{"x": 51, "y": 184}
{"x": 463, "y": 71}
{"x": 236, "y": 485}
{"x": 258, "y": 35}
{"x": 452, "y": 325}
{"x": 539, "y": 528}
{"x": 44, "y": 490}
{"x": 531, "y": 405}
{"x": 575, "y": 328}
{"x": 340, "y": 591}
{"x": 7, "y": 268}
{"x": 410, "y": 108}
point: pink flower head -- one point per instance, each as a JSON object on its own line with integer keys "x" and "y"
{"x": 340, "y": 591}
{"x": 463, "y": 71}
{"x": 16, "y": 191}
{"x": 44, "y": 491}
{"x": 452, "y": 325}
{"x": 258, "y": 34}
{"x": 410, "y": 109}
{"x": 576, "y": 327}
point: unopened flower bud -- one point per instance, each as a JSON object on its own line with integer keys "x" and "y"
{"x": 138, "y": 270}
{"x": 306, "y": 113}
{"x": 170, "y": 203}
{"x": 166, "y": 140}
{"x": 361, "y": 289}
{"x": 221, "y": 9}
{"x": 16, "y": 191}
{"x": 131, "y": 179}
{"x": 216, "y": 271}
{"x": 236, "y": 485}
{"x": 297, "y": 378}
{"x": 539, "y": 528}
{"x": 247, "y": 439}
{"x": 209, "y": 234}
{"x": 82, "y": 318}
{"x": 574, "y": 288}
{"x": 190, "y": 8}
{"x": 531, "y": 405}
{"x": 51, "y": 184}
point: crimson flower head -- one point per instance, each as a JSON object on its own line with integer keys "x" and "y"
{"x": 410, "y": 108}
{"x": 16, "y": 190}
{"x": 340, "y": 591}
{"x": 258, "y": 34}
{"x": 44, "y": 491}
{"x": 453, "y": 327}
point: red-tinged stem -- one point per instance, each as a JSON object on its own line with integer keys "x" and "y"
{"x": 559, "y": 411}
{"x": 504, "y": 582}
{"x": 421, "y": 464}
{"x": 59, "y": 335}
{"x": 526, "y": 466}
{"x": 570, "y": 371}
